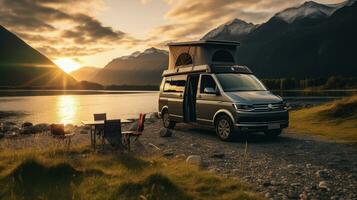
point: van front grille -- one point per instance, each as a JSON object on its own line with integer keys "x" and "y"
{"x": 268, "y": 107}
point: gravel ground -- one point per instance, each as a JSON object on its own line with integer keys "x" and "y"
{"x": 292, "y": 166}
{"x": 289, "y": 167}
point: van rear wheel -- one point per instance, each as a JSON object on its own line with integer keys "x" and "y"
{"x": 224, "y": 128}
{"x": 167, "y": 122}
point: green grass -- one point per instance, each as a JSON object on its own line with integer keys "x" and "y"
{"x": 335, "y": 121}
{"x": 77, "y": 174}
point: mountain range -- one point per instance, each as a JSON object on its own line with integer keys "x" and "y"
{"x": 23, "y": 66}
{"x": 309, "y": 41}
{"x": 139, "y": 68}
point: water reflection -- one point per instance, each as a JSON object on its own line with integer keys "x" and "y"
{"x": 67, "y": 109}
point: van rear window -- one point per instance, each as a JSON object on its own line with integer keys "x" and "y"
{"x": 175, "y": 84}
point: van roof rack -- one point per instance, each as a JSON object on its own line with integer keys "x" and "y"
{"x": 189, "y": 69}
{"x": 204, "y": 42}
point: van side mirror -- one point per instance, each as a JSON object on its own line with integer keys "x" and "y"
{"x": 209, "y": 90}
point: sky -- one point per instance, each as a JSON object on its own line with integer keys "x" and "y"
{"x": 76, "y": 33}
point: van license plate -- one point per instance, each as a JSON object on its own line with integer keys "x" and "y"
{"x": 273, "y": 126}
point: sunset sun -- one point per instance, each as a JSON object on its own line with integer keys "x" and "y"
{"x": 67, "y": 64}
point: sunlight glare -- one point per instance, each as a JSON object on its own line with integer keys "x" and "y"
{"x": 67, "y": 64}
{"x": 67, "y": 109}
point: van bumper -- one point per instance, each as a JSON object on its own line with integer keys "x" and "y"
{"x": 251, "y": 127}
{"x": 262, "y": 121}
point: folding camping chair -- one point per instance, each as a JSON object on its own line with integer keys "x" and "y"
{"x": 127, "y": 135}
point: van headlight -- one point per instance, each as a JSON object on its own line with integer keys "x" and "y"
{"x": 243, "y": 107}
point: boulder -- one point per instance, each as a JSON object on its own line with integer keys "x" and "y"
{"x": 164, "y": 132}
{"x": 26, "y": 124}
{"x": 194, "y": 160}
{"x": 43, "y": 127}
{"x": 29, "y": 130}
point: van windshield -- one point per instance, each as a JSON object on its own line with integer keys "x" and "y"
{"x": 240, "y": 82}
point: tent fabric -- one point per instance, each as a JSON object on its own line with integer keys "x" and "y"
{"x": 201, "y": 53}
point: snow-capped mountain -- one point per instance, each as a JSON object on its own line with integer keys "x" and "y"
{"x": 136, "y": 54}
{"x": 138, "y": 68}
{"x": 310, "y": 10}
{"x": 231, "y": 30}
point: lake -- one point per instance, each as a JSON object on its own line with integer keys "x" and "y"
{"x": 70, "y": 107}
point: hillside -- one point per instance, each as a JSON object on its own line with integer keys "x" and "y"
{"x": 139, "y": 68}
{"x": 84, "y": 73}
{"x": 23, "y": 66}
{"x": 312, "y": 40}
{"x": 336, "y": 120}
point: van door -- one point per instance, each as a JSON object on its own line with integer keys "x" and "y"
{"x": 174, "y": 88}
{"x": 190, "y": 96}
{"x": 207, "y": 102}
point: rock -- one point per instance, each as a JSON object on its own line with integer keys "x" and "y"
{"x": 308, "y": 165}
{"x": 164, "y": 132}
{"x": 194, "y": 160}
{"x": 290, "y": 166}
{"x": 323, "y": 173}
{"x": 43, "y": 127}
{"x": 295, "y": 184}
{"x": 323, "y": 185}
{"x": 180, "y": 157}
{"x": 26, "y": 124}
{"x": 218, "y": 155}
{"x": 168, "y": 153}
{"x": 29, "y": 130}
{"x": 293, "y": 194}
{"x": 266, "y": 184}
{"x": 267, "y": 195}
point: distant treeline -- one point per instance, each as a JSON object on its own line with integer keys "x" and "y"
{"x": 334, "y": 82}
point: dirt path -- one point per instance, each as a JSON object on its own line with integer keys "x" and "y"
{"x": 289, "y": 167}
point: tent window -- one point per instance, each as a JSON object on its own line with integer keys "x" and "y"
{"x": 223, "y": 56}
{"x": 184, "y": 59}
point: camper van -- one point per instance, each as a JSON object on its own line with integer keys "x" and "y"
{"x": 204, "y": 85}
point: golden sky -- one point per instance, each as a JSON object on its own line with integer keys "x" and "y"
{"x": 93, "y": 32}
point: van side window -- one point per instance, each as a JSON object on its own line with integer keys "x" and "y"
{"x": 175, "y": 84}
{"x": 207, "y": 81}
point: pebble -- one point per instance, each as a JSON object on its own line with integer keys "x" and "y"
{"x": 323, "y": 185}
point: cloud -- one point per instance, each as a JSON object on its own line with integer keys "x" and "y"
{"x": 61, "y": 27}
{"x": 190, "y": 19}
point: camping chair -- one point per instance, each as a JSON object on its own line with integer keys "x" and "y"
{"x": 58, "y": 132}
{"x": 99, "y": 129}
{"x": 112, "y": 132}
{"x": 127, "y": 135}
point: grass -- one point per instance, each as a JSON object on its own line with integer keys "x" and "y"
{"x": 80, "y": 174}
{"x": 335, "y": 121}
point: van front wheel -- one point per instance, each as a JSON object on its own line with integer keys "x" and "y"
{"x": 167, "y": 122}
{"x": 224, "y": 128}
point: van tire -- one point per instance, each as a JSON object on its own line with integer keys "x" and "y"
{"x": 166, "y": 122}
{"x": 224, "y": 128}
{"x": 273, "y": 133}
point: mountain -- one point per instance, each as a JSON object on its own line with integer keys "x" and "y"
{"x": 309, "y": 9}
{"x": 85, "y": 73}
{"x": 23, "y": 66}
{"x": 304, "y": 47}
{"x": 234, "y": 30}
{"x": 139, "y": 68}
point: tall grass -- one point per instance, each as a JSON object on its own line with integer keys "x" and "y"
{"x": 58, "y": 173}
{"x": 336, "y": 121}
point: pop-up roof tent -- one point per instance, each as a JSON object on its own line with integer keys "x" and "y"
{"x": 203, "y": 55}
